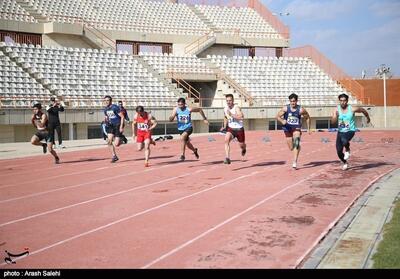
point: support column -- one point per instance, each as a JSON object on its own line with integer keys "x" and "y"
{"x": 71, "y": 131}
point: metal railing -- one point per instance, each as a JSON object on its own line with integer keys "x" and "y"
{"x": 89, "y": 26}
{"x": 193, "y": 92}
{"x": 198, "y": 43}
{"x": 236, "y": 86}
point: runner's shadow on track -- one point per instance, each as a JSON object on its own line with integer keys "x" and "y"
{"x": 316, "y": 164}
{"x": 84, "y": 160}
{"x": 370, "y": 166}
{"x": 263, "y": 164}
{"x": 220, "y": 162}
{"x": 175, "y": 162}
{"x": 151, "y": 158}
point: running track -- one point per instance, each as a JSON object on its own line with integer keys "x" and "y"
{"x": 255, "y": 213}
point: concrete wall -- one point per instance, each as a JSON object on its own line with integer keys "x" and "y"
{"x": 23, "y": 133}
{"x": 25, "y": 27}
{"x": 179, "y": 49}
{"x": 392, "y": 117}
{"x": 64, "y": 40}
{"x": 7, "y": 133}
{"x": 226, "y": 50}
{"x": 82, "y": 131}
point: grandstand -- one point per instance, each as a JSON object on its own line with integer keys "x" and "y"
{"x": 152, "y": 52}
{"x": 82, "y": 77}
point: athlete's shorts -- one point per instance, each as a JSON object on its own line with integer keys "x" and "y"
{"x": 289, "y": 130}
{"x": 44, "y": 135}
{"x": 141, "y": 137}
{"x": 113, "y": 129}
{"x": 189, "y": 131}
{"x": 237, "y": 133}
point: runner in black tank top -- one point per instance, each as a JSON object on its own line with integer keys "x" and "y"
{"x": 39, "y": 121}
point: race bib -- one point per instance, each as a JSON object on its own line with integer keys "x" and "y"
{"x": 344, "y": 126}
{"x": 142, "y": 126}
{"x": 111, "y": 114}
{"x": 293, "y": 120}
{"x": 184, "y": 119}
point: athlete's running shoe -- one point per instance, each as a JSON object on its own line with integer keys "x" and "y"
{"x": 294, "y": 165}
{"x": 345, "y": 166}
{"x": 227, "y": 161}
{"x": 114, "y": 159}
{"x": 44, "y": 145}
{"x": 346, "y": 155}
{"x": 182, "y": 158}
{"x": 196, "y": 154}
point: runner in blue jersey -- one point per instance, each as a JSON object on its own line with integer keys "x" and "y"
{"x": 344, "y": 114}
{"x": 290, "y": 117}
{"x": 115, "y": 121}
{"x": 185, "y": 128}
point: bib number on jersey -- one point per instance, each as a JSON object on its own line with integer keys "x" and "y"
{"x": 184, "y": 119}
{"x": 111, "y": 114}
{"x": 142, "y": 126}
{"x": 292, "y": 120}
{"x": 344, "y": 126}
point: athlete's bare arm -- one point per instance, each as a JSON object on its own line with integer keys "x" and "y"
{"x": 306, "y": 115}
{"x": 239, "y": 114}
{"x": 225, "y": 125}
{"x": 33, "y": 120}
{"x": 173, "y": 115}
{"x": 153, "y": 122}
{"x": 122, "y": 124}
{"x": 335, "y": 115}
{"x": 200, "y": 110}
{"x": 363, "y": 111}
{"x": 134, "y": 126}
{"x": 280, "y": 115}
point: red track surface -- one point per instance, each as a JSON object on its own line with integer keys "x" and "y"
{"x": 255, "y": 213}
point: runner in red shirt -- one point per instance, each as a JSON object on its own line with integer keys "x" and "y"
{"x": 143, "y": 123}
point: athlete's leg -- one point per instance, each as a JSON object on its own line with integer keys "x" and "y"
{"x": 339, "y": 147}
{"x": 289, "y": 139}
{"x": 347, "y": 138}
{"x": 52, "y": 151}
{"x": 241, "y": 139}
{"x": 228, "y": 139}
{"x": 190, "y": 145}
{"x": 110, "y": 139}
{"x": 140, "y": 146}
{"x": 146, "y": 151}
{"x": 243, "y": 147}
{"x": 51, "y": 129}
{"x": 59, "y": 134}
{"x": 296, "y": 145}
{"x": 184, "y": 141}
{"x": 35, "y": 140}
{"x": 117, "y": 141}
